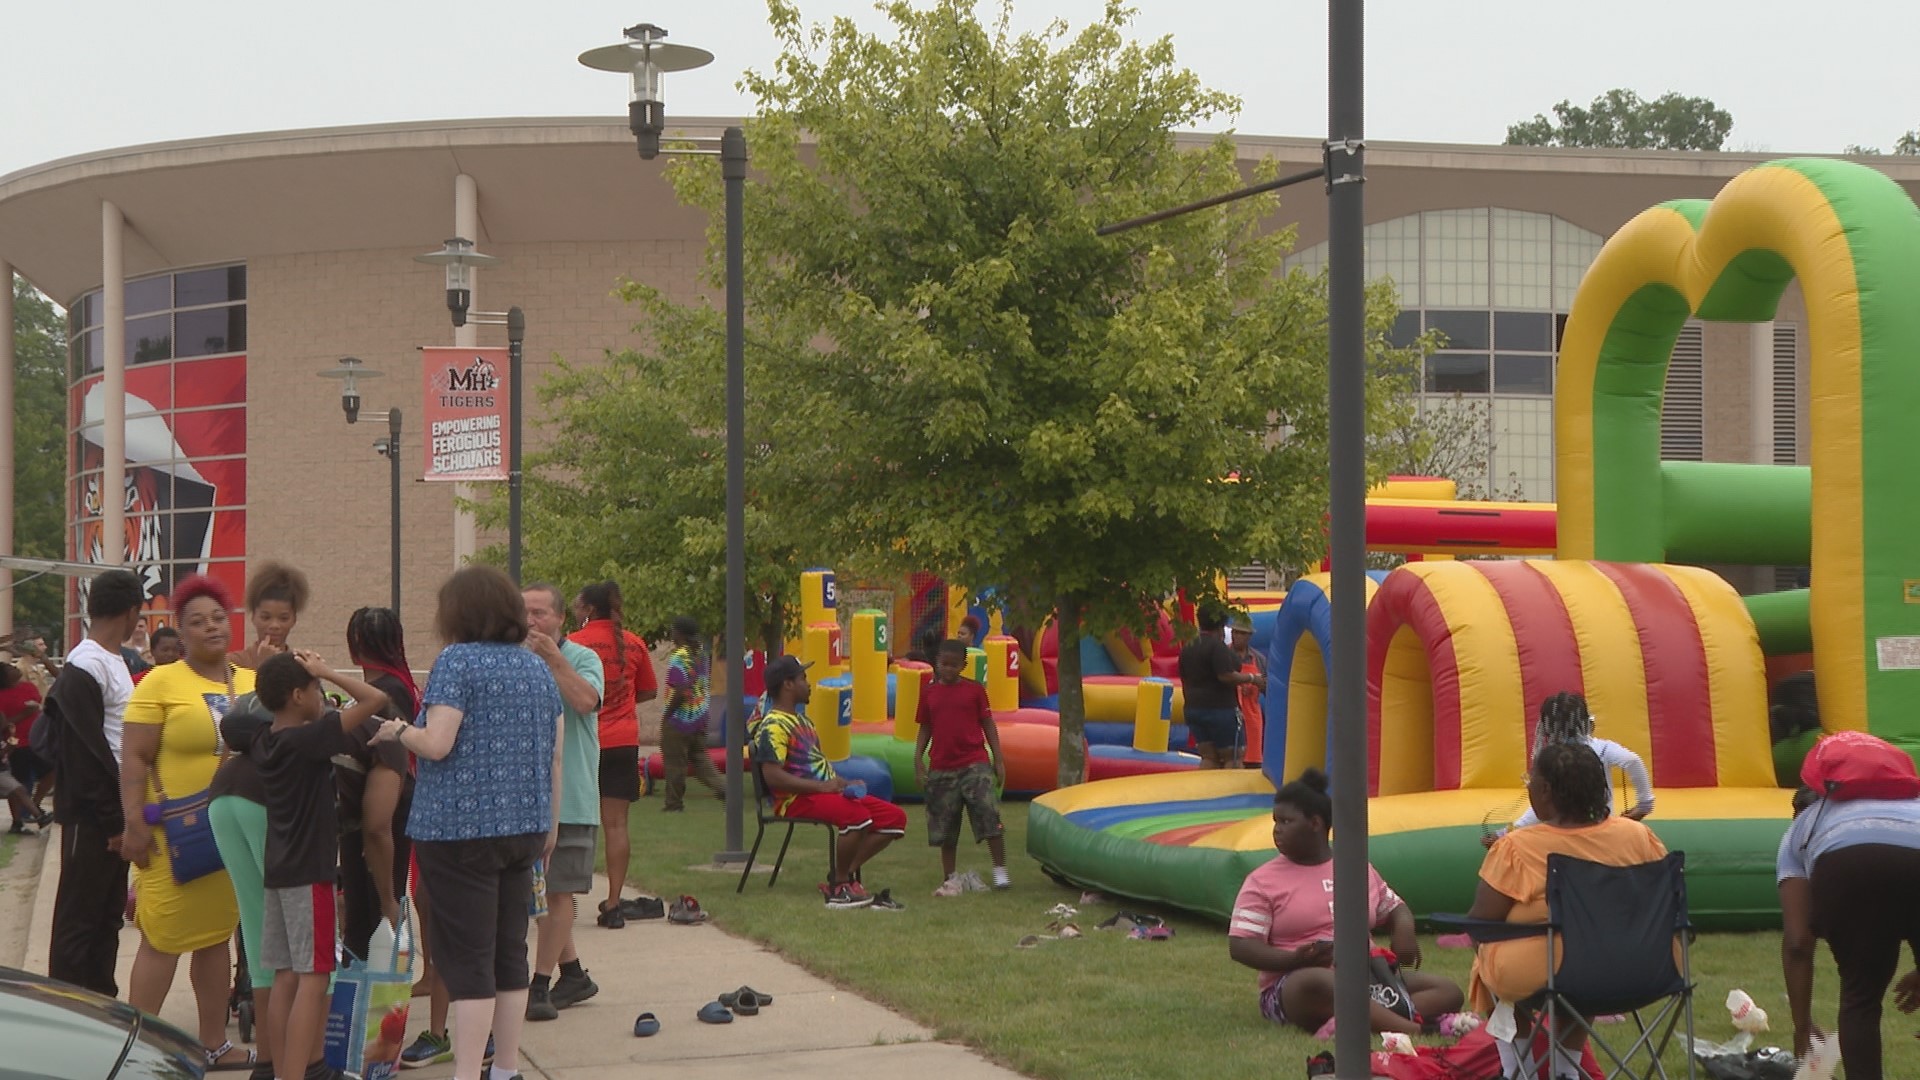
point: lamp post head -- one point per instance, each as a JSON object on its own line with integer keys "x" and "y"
{"x": 350, "y": 370}
{"x": 645, "y": 57}
{"x": 459, "y": 258}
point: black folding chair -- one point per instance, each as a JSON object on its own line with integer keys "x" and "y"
{"x": 1611, "y": 930}
{"x": 764, "y": 816}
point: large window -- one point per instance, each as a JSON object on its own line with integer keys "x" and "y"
{"x": 1497, "y": 284}
{"x": 169, "y": 316}
{"x": 186, "y": 432}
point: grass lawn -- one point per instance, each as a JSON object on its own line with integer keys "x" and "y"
{"x": 1097, "y": 1007}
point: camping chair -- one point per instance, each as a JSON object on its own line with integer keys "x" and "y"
{"x": 764, "y": 816}
{"x": 1612, "y": 930}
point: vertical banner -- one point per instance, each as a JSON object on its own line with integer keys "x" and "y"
{"x": 466, "y": 399}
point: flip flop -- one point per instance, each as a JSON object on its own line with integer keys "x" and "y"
{"x": 744, "y": 1006}
{"x": 715, "y": 1013}
{"x": 647, "y": 1024}
{"x": 746, "y": 995}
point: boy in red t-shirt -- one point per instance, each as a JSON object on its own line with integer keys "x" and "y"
{"x": 963, "y": 767}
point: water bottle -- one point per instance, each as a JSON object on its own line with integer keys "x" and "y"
{"x": 1747, "y": 1016}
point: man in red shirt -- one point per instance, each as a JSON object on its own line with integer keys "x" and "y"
{"x": 965, "y": 763}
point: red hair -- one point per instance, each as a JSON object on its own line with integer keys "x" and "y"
{"x": 196, "y": 586}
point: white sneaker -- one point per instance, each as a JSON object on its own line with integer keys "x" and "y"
{"x": 950, "y": 887}
{"x": 1001, "y": 880}
{"x": 971, "y": 882}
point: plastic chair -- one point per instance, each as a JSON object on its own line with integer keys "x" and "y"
{"x": 764, "y": 816}
{"x": 1610, "y": 934}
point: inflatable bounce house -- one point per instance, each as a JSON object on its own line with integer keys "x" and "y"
{"x": 1673, "y": 662}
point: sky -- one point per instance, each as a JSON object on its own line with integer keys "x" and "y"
{"x": 90, "y": 75}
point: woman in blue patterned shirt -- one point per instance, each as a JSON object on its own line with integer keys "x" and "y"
{"x": 489, "y": 754}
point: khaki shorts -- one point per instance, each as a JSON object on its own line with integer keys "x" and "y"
{"x": 570, "y": 870}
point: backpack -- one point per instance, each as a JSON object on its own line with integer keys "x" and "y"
{"x": 1851, "y": 765}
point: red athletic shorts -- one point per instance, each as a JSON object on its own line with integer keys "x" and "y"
{"x": 849, "y": 815}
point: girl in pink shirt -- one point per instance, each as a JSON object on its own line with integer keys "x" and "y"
{"x": 1282, "y": 927}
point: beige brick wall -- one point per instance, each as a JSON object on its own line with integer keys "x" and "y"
{"x": 317, "y": 489}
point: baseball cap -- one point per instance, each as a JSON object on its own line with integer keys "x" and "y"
{"x": 782, "y": 669}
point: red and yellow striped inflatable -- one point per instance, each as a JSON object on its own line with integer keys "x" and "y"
{"x": 1461, "y": 654}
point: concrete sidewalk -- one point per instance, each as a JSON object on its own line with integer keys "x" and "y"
{"x": 813, "y": 1029}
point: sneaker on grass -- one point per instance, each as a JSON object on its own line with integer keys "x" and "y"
{"x": 428, "y": 1049}
{"x": 950, "y": 887}
{"x": 843, "y": 897}
{"x": 885, "y": 902}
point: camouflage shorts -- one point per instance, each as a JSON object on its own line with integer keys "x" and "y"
{"x": 949, "y": 791}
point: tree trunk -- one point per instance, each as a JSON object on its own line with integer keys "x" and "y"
{"x": 1073, "y": 698}
{"x": 772, "y": 632}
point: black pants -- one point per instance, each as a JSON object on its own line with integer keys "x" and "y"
{"x": 481, "y": 891}
{"x": 1864, "y": 906}
{"x": 88, "y": 909}
{"x": 362, "y": 911}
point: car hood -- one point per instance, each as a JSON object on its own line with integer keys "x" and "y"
{"x": 49, "y": 1028}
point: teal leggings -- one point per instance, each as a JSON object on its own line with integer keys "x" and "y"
{"x": 240, "y": 831}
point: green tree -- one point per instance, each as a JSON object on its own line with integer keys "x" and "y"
{"x": 1620, "y": 119}
{"x": 39, "y": 453}
{"x": 1906, "y": 145}
{"x": 967, "y": 379}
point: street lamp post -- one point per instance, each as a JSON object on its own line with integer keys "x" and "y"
{"x": 350, "y": 371}
{"x": 646, "y": 56}
{"x": 459, "y": 258}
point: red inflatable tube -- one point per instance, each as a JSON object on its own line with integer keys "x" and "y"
{"x": 1416, "y": 526}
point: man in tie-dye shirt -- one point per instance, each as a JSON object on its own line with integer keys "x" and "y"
{"x": 683, "y": 733}
{"x": 786, "y": 749}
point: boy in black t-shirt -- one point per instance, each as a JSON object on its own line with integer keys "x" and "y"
{"x": 295, "y": 756}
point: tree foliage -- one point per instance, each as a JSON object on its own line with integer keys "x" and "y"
{"x": 1907, "y": 145}
{"x": 1622, "y": 120}
{"x": 39, "y": 453}
{"x": 1451, "y": 438}
{"x": 949, "y": 371}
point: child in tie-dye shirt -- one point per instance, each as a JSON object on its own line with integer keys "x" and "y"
{"x": 683, "y": 734}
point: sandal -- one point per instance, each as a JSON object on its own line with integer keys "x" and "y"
{"x": 746, "y": 995}
{"x": 214, "y": 1064}
{"x": 646, "y": 1024}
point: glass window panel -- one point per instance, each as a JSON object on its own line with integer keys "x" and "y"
{"x": 89, "y": 346}
{"x": 1464, "y": 329}
{"x": 150, "y": 294}
{"x": 1574, "y": 249}
{"x": 1522, "y": 249}
{"x": 1530, "y": 375}
{"x": 1457, "y": 373}
{"x": 1454, "y": 258}
{"x": 86, "y": 311}
{"x": 1523, "y": 331}
{"x": 1406, "y": 328}
{"x": 149, "y": 339}
{"x": 216, "y": 286}
{"x": 1393, "y": 252}
{"x": 209, "y": 331}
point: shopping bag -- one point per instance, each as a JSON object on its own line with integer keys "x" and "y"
{"x": 367, "y": 1014}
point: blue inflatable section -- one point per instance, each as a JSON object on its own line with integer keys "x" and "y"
{"x": 870, "y": 769}
{"x": 1263, "y": 629}
{"x": 1308, "y": 610}
{"x": 1094, "y": 659}
{"x": 1115, "y": 733}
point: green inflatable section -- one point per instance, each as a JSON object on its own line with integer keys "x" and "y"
{"x": 1771, "y": 504}
{"x": 1782, "y": 620}
{"x": 1730, "y": 865}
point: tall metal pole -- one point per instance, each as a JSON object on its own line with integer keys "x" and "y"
{"x": 733, "y": 171}
{"x": 1346, "y": 403}
{"x": 393, "y": 509}
{"x": 516, "y": 338}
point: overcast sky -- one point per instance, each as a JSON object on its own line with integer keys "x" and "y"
{"x": 90, "y": 75}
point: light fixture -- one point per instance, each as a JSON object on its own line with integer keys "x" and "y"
{"x": 350, "y": 370}
{"x": 459, "y": 257}
{"x": 646, "y": 57}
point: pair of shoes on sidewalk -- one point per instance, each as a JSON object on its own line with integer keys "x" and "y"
{"x": 545, "y": 1003}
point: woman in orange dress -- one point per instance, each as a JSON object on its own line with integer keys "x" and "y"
{"x": 1569, "y": 792}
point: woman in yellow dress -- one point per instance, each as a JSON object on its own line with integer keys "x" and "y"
{"x": 172, "y": 742}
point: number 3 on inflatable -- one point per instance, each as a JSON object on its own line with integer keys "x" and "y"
{"x": 1851, "y": 236}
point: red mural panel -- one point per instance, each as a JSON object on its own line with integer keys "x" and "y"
{"x": 186, "y": 484}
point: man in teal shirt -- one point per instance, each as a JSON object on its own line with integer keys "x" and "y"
{"x": 577, "y": 672}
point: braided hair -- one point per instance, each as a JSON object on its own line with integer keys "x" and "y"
{"x": 602, "y": 601}
{"x": 1573, "y": 774}
{"x": 1563, "y": 719}
{"x": 376, "y": 641}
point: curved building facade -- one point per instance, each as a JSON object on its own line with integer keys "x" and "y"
{"x": 208, "y": 282}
